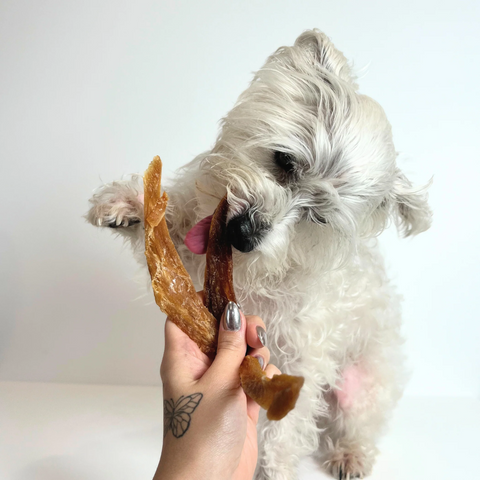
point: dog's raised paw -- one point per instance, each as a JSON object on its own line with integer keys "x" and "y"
{"x": 117, "y": 205}
{"x": 126, "y": 222}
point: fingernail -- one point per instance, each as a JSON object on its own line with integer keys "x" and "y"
{"x": 262, "y": 335}
{"x": 261, "y": 361}
{"x": 232, "y": 320}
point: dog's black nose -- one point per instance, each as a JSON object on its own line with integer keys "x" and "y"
{"x": 240, "y": 232}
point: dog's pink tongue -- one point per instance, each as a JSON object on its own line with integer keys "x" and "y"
{"x": 196, "y": 239}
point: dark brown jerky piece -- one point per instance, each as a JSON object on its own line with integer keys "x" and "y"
{"x": 218, "y": 286}
{"x": 279, "y": 394}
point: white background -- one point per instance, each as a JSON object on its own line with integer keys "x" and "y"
{"x": 93, "y": 90}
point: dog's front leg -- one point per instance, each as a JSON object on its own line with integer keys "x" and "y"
{"x": 359, "y": 407}
{"x": 119, "y": 206}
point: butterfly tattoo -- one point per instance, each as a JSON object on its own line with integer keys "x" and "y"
{"x": 177, "y": 416}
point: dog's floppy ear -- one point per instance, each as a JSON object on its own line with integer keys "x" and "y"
{"x": 411, "y": 212}
{"x": 322, "y": 51}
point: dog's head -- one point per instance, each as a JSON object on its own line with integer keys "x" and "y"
{"x": 308, "y": 162}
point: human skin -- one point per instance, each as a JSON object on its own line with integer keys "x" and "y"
{"x": 210, "y": 433}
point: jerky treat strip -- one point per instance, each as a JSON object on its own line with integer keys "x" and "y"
{"x": 172, "y": 285}
{"x": 279, "y": 394}
{"x": 218, "y": 285}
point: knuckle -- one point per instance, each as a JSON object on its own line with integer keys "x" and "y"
{"x": 231, "y": 342}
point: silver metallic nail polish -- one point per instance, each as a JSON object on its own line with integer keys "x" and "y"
{"x": 262, "y": 335}
{"x": 232, "y": 319}
{"x": 261, "y": 361}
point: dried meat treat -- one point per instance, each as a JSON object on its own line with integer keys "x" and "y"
{"x": 218, "y": 286}
{"x": 172, "y": 285}
{"x": 279, "y": 394}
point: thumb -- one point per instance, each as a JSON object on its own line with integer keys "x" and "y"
{"x": 232, "y": 345}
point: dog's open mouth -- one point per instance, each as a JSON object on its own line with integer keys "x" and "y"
{"x": 196, "y": 239}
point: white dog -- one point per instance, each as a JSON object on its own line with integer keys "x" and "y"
{"x": 309, "y": 167}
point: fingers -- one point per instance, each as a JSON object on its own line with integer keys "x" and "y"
{"x": 261, "y": 354}
{"x": 256, "y": 332}
{"x": 272, "y": 370}
{"x": 231, "y": 347}
{"x": 257, "y": 340}
{"x": 236, "y": 332}
{"x": 231, "y": 336}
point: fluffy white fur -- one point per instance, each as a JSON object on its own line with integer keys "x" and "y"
{"x": 315, "y": 276}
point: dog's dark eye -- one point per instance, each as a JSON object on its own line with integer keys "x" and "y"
{"x": 285, "y": 161}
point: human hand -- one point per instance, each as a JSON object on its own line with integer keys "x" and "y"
{"x": 209, "y": 422}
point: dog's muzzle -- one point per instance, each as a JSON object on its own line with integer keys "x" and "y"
{"x": 243, "y": 233}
